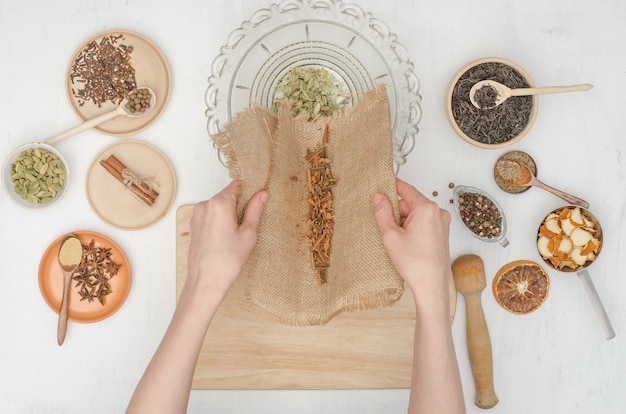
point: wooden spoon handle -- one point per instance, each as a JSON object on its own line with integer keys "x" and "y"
{"x": 479, "y": 350}
{"x": 90, "y": 123}
{"x": 62, "y": 326}
{"x": 561, "y": 194}
{"x": 551, "y": 89}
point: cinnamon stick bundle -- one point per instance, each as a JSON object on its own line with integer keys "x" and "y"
{"x": 124, "y": 175}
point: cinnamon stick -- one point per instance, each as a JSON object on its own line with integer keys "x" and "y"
{"x": 116, "y": 168}
{"x": 320, "y": 182}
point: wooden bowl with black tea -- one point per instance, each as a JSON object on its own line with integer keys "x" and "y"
{"x": 495, "y": 127}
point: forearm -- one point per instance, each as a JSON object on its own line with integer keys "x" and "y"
{"x": 166, "y": 383}
{"x": 435, "y": 382}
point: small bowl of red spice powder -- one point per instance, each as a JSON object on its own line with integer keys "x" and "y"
{"x": 495, "y": 127}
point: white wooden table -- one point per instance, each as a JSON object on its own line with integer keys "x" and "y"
{"x": 554, "y": 360}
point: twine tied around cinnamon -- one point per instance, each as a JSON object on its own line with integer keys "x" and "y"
{"x": 142, "y": 188}
{"x": 145, "y": 183}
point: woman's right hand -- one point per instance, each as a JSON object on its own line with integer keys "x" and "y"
{"x": 419, "y": 246}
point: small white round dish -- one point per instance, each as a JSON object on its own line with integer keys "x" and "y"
{"x": 357, "y": 49}
{"x": 151, "y": 70}
{"x": 112, "y": 200}
{"x": 9, "y": 185}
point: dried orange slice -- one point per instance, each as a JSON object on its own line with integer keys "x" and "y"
{"x": 521, "y": 286}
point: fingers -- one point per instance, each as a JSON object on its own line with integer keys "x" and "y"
{"x": 409, "y": 193}
{"x": 254, "y": 211}
{"x": 231, "y": 192}
{"x": 383, "y": 212}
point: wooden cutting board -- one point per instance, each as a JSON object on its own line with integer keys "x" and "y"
{"x": 355, "y": 350}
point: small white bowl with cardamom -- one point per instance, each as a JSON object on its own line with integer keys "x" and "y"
{"x": 35, "y": 176}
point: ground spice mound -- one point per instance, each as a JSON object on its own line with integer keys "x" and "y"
{"x": 491, "y": 125}
{"x": 104, "y": 72}
{"x": 509, "y": 170}
{"x": 513, "y": 156}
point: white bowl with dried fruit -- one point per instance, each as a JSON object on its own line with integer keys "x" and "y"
{"x": 35, "y": 176}
{"x": 569, "y": 239}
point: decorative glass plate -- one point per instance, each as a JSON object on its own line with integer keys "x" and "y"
{"x": 355, "y": 48}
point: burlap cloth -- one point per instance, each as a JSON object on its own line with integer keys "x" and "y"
{"x": 266, "y": 151}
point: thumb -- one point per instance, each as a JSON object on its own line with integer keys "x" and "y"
{"x": 383, "y": 213}
{"x": 254, "y": 210}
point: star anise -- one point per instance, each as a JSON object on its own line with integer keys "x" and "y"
{"x": 104, "y": 254}
{"x": 95, "y": 271}
{"x": 87, "y": 294}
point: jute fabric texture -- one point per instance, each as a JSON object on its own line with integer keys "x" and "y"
{"x": 267, "y": 151}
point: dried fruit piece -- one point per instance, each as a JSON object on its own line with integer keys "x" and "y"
{"x": 577, "y": 256}
{"x": 553, "y": 225}
{"x": 576, "y": 217}
{"x": 542, "y": 245}
{"x": 580, "y": 236}
{"x": 521, "y": 286}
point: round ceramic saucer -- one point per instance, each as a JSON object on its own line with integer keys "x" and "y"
{"x": 151, "y": 70}
{"x": 51, "y": 281}
{"x": 114, "y": 202}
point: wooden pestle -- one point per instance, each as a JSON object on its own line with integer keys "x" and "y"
{"x": 469, "y": 277}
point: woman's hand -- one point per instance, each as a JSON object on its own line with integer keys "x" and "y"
{"x": 220, "y": 246}
{"x": 218, "y": 250}
{"x": 419, "y": 247}
{"x": 419, "y": 250}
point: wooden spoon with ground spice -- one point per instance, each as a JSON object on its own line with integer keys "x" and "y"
{"x": 70, "y": 256}
{"x": 517, "y": 173}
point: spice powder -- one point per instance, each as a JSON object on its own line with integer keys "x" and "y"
{"x": 514, "y": 156}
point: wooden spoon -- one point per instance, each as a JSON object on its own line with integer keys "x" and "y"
{"x": 70, "y": 256}
{"x": 469, "y": 277}
{"x": 504, "y": 92}
{"x": 528, "y": 178}
{"x": 120, "y": 110}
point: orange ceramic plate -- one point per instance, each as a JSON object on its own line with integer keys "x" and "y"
{"x": 151, "y": 70}
{"x": 51, "y": 282}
